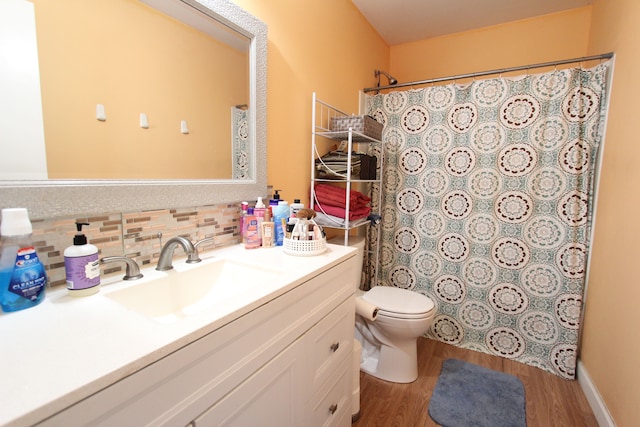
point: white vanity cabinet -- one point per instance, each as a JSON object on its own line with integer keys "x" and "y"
{"x": 286, "y": 363}
{"x": 307, "y": 384}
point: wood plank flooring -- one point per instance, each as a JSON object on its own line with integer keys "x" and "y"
{"x": 550, "y": 400}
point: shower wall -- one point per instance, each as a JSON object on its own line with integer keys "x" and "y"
{"x": 610, "y": 350}
{"x": 529, "y": 41}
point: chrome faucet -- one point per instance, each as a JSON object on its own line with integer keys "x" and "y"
{"x": 166, "y": 254}
{"x": 133, "y": 270}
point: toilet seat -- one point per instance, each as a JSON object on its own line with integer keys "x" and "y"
{"x": 399, "y": 303}
{"x": 404, "y": 316}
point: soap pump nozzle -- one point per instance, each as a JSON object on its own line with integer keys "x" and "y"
{"x": 79, "y": 238}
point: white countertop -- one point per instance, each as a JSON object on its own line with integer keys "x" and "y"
{"x": 68, "y": 348}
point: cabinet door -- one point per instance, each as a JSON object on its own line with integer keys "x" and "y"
{"x": 271, "y": 397}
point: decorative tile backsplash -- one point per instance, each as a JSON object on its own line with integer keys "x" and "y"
{"x": 138, "y": 235}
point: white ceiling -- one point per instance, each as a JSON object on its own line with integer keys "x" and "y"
{"x": 402, "y": 21}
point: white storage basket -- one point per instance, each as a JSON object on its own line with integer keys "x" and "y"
{"x": 304, "y": 247}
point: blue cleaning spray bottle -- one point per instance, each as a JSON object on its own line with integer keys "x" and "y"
{"x": 22, "y": 276}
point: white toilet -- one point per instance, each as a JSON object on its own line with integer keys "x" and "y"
{"x": 389, "y": 342}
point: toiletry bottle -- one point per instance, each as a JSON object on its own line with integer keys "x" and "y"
{"x": 280, "y": 215}
{"x": 289, "y": 231}
{"x": 251, "y": 236}
{"x": 267, "y": 230}
{"x": 22, "y": 276}
{"x": 275, "y": 199}
{"x": 295, "y": 207}
{"x": 243, "y": 213}
{"x": 258, "y": 211}
{"x": 81, "y": 265}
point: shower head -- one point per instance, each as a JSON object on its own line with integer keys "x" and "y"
{"x": 392, "y": 80}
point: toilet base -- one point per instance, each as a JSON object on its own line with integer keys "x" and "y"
{"x": 397, "y": 364}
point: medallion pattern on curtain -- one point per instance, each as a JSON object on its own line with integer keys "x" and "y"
{"x": 240, "y": 141}
{"x": 487, "y": 204}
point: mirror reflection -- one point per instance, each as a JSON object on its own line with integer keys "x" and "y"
{"x": 129, "y": 92}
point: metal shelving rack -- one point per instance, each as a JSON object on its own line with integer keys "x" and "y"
{"x": 322, "y": 137}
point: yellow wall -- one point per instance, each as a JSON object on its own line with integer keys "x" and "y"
{"x": 610, "y": 348}
{"x": 134, "y": 60}
{"x": 529, "y": 41}
{"x": 325, "y": 47}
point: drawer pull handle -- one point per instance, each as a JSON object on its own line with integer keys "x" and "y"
{"x": 335, "y": 346}
{"x": 333, "y": 408}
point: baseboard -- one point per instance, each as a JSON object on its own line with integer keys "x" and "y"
{"x": 598, "y": 406}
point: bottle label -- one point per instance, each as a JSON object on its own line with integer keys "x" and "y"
{"x": 279, "y": 233}
{"x": 83, "y": 272}
{"x": 252, "y": 239}
{"x": 28, "y": 278}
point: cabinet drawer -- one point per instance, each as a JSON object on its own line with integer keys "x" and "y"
{"x": 330, "y": 342}
{"x": 329, "y": 406}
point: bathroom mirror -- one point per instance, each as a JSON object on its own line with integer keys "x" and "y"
{"x": 51, "y": 198}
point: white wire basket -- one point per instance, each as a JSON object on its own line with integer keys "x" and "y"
{"x": 304, "y": 247}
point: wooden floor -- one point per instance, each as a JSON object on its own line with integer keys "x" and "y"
{"x": 550, "y": 400}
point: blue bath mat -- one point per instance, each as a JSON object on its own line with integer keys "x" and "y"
{"x": 469, "y": 395}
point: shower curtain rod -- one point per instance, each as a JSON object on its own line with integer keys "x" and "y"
{"x": 498, "y": 71}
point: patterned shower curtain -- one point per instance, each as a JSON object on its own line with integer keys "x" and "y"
{"x": 240, "y": 140}
{"x": 487, "y": 204}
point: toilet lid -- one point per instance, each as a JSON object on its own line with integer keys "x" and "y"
{"x": 399, "y": 301}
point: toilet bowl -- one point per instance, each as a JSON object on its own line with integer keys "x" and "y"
{"x": 389, "y": 342}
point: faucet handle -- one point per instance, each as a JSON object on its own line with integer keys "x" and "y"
{"x": 205, "y": 240}
{"x": 132, "y": 271}
{"x": 200, "y": 242}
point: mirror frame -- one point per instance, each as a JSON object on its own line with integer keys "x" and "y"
{"x": 55, "y": 198}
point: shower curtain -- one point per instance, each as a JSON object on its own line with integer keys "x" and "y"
{"x": 240, "y": 141}
{"x": 487, "y": 201}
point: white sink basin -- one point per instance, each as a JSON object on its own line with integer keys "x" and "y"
{"x": 197, "y": 288}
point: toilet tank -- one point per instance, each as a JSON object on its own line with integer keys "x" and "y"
{"x": 357, "y": 242}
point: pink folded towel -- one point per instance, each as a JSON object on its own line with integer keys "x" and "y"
{"x": 337, "y": 196}
{"x": 358, "y": 213}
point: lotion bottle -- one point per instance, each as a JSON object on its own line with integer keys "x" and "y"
{"x": 268, "y": 231}
{"x": 295, "y": 207}
{"x": 81, "y": 265}
{"x": 273, "y": 202}
{"x": 258, "y": 211}
{"x": 22, "y": 276}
